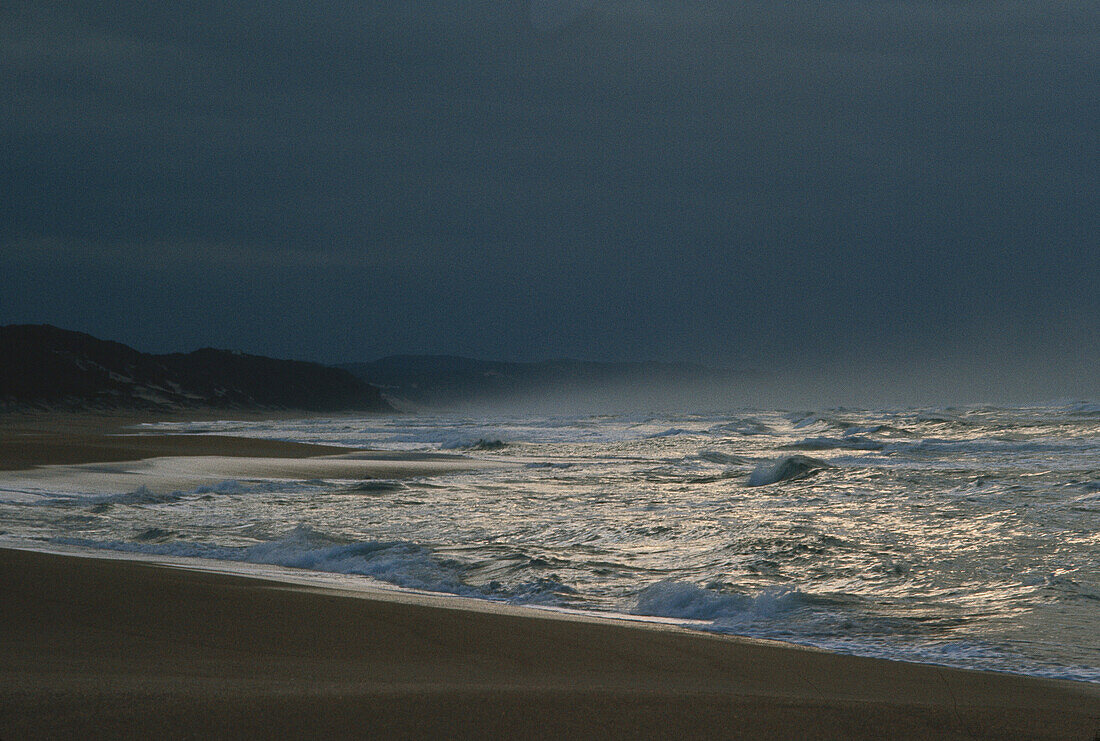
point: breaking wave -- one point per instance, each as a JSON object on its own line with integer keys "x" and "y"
{"x": 678, "y": 599}
{"x": 401, "y": 563}
{"x": 787, "y": 468}
{"x": 775, "y": 612}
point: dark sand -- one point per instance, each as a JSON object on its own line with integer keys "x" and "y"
{"x": 52, "y": 438}
{"x": 112, "y": 648}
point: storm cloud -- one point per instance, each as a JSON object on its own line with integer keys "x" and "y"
{"x": 808, "y": 184}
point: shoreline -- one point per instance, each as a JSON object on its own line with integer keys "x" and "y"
{"x": 33, "y": 439}
{"x": 107, "y": 644}
{"x": 124, "y": 648}
{"x": 107, "y": 456}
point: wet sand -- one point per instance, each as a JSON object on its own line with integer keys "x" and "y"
{"x": 122, "y": 649}
{"x": 108, "y": 453}
{"x": 52, "y": 438}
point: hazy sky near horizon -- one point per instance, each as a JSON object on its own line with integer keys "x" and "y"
{"x": 809, "y": 183}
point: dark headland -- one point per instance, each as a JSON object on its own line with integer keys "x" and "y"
{"x": 43, "y": 367}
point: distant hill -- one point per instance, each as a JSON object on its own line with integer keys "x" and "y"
{"x": 46, "y": 367}
{"x": 448, "y": 380}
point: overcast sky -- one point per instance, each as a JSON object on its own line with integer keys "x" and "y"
{"x": 824, "y": 184}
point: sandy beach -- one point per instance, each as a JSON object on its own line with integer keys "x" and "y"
{"x": 30, "y": 439}
{"x": 110, "y": 648}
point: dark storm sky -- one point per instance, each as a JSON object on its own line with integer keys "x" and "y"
{"x": 822, "y": 184}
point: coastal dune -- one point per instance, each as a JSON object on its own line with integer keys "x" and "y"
{"x": 112, "y": 648}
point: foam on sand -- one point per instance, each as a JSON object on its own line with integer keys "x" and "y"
{"x": 189, "y": 473}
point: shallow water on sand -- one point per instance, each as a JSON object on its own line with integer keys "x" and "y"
{"x": 968, "y": 537}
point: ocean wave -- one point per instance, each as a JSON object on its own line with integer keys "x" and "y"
{"x": 786, "y": 468}
{"x": 877, "y": 429}
{"x": 670, "y": 432}
{"x": 1088, "y": 502}
{"x": 1084, "y": 408}
{"x": 678, "y": 599}
{"x": 143, "y": 495}
{"x": 481, "y": 443}
{"x": 802, "y": 421}
{"x": 396, "y": 562}
{"x": 992, "y": 445}
{"x": 747, "y": 427}
{"x": 401, "y": 563}
{"x": 939, "y": 417}
{"x": 833, "y": 623}
{"x": 540, "y": 591}
{"x": 724, "y": 459}
{"x": 154, "y": 534}
{"x": 375, "y": 486}
{"x": 729, "y": 473}
{"x": 854, "y": 442}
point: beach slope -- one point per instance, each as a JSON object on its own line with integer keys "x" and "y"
{"x": 112, "y": 648}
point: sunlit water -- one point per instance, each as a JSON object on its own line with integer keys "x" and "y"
{"x": 968, "y": 537}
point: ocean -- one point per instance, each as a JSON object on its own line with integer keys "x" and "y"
{"x": 966, "y": 537}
